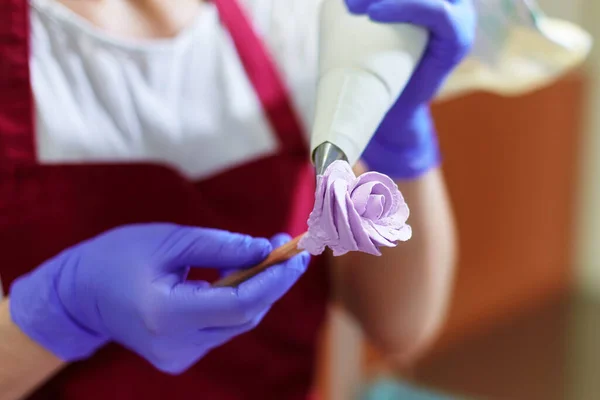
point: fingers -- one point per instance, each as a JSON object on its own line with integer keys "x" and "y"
{"x": 224, "y": 273}
{"x": 359, "y": 6}
{"x": 214, "y": 337}
{"x": 270, "y": 285}
{"x": 212, "y": 248}
{"x": 450, "y": 20}
{"x": 196, "y": 306}
{"x": 276, "y": 241}
{"x": 175, "y": 354}
{"x": 434, "y": 15}
{"x": 451, "y": 24}
{"x": 280, "y": 239}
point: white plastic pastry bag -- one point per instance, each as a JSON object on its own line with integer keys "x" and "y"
{"x": 518, "y": 49}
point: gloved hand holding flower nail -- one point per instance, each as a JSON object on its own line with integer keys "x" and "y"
{"x": 129, "y": 285}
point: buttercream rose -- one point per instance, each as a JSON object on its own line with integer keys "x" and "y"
{"x": 355, "y": 214}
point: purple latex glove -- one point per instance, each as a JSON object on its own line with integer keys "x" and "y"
{"x": 405, "y": 145}
{"x": 128, "y": 285}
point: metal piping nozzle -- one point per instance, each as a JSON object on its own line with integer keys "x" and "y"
{"x": 325, "y": 154}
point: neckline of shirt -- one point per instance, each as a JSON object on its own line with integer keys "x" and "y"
{"x": 69, "y": 19}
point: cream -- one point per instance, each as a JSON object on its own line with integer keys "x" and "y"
{"x": 355, "y": 214}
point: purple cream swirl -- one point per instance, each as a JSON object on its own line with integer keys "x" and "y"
{"x": 355, "y": 214}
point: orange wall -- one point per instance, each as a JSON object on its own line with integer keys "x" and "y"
{"x": 512, "y": 170}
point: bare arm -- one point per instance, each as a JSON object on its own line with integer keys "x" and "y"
{"x": 24, "y": 365}
{"x": 401, "y": 298}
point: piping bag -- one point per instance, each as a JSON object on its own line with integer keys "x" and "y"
{"x": 363, "y": 68}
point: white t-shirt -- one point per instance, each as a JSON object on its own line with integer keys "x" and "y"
{"x": 185, "y": 102}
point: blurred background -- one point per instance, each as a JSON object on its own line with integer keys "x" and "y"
{"x": 524, "y": 176}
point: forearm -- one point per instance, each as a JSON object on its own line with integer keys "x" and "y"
{"x": 24, "y": 364}
{"x": 401, "y": 298}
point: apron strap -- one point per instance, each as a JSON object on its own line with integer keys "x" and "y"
{"x": 263, "y": 73}
{"x": 16, "y": 100}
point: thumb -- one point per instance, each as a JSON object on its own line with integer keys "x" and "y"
{"x": 358, "y": 6}
{"x": 276, "y": 241}
{"x": 267, "y": 287}
{"x": 434, "y": 15}
{"x": 201, "y": 247}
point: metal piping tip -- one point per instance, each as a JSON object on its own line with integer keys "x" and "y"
{"x": 325, "y": 154}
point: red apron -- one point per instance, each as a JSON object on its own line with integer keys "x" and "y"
{"x": 46, "y": 208}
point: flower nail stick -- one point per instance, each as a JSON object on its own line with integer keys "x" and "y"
{"x": 351, "y": 214}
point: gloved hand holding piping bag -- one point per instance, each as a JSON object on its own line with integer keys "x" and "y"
{"x": 405, "y": 144}
{"x": 517, "y": 49}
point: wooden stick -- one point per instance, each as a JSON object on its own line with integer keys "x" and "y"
{"x": 277, "y": 256}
